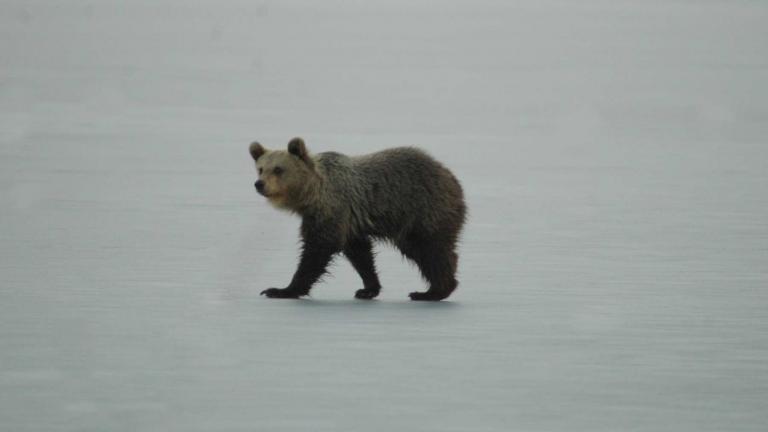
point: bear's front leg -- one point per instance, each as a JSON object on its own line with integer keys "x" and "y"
{"x": 315, "y": 258}
{"x": 360, "y": 253}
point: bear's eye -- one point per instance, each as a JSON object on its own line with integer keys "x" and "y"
{"x": 261, "y": 170}
{"x": 278, "y": 170}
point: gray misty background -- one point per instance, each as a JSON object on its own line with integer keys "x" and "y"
{"x": 614, "y": 270}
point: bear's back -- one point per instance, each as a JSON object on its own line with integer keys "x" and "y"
{"x": 404, "y": 188}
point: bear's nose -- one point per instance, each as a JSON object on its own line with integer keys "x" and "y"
{"x": 259, "y": 186}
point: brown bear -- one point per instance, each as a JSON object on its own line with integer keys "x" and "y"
{"x": 400, "y": 195}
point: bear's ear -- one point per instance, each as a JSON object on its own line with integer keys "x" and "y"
{"x": 256, "y": 150}
{"x": 297, "y": 148}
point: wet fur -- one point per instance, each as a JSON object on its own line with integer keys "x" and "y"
{"x": 400, "y": 195}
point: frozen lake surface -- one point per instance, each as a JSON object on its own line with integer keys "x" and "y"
{"x": 614, "y": 269}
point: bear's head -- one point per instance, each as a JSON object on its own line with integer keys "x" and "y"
{"x": 286, "y": 178}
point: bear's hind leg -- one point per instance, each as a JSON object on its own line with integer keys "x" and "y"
{"x": 360, "y": 254}
{"x": 437, "y": 262}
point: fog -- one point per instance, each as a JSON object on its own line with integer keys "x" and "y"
{"x": 613, "y": 269}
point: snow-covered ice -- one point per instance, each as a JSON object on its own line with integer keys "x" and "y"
{"x": 614, "y": 269}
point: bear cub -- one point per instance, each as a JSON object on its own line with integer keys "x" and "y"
{"x": 399, "y": 195}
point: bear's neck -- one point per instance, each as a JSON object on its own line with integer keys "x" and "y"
{"x": 309, "y": 200}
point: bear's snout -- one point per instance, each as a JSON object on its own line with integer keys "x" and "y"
{"x": 259, "y": 185}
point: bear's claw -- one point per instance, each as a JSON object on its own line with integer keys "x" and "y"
{"x": 427, "y": 296}
{"x": 366, "y": 294}
{"x": 280, "y": 293}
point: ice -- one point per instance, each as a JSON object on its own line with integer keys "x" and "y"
{"x": 613, "y": 272}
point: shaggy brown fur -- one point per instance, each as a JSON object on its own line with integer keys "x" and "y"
{"x": 400, "y": 195}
